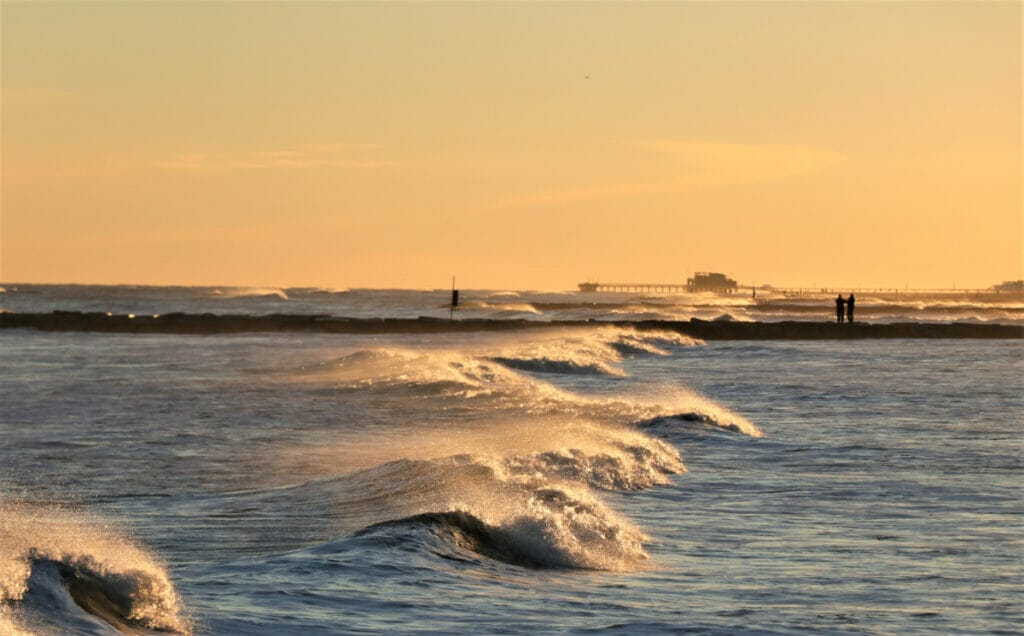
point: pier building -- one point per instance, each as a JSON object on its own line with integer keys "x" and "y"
{"x": 700, "y": 282}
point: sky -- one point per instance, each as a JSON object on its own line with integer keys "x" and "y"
{"x": 527, "y": 145}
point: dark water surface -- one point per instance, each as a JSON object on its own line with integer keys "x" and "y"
{"x": 764, "y": 306}
{"x": 568, "y": 481}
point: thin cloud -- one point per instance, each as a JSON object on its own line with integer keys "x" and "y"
{"x": 320, "y": 146}
{"x": 298, "y": 157}
{"x": 704, "y": 165}
{"x": 34, "y": 95}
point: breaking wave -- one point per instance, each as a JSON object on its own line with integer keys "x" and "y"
{"x": 498, "y": 376}
{"x": 516, "y": 469}
{"x": 509, "y": 308}
{"x": 60, "y": 571}
{"x": 595, "y": 352}
{"x": 536, "y": 510}
{"x": 555, "y": 531}
{"x": 671, "y": 423}
{"x": 525, "y": 492}
{"x": 248, "y": 292}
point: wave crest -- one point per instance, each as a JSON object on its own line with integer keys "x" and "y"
{"x": 531, "y": 487}
{"x": 591, "y": 352}
{"x": 555, "y": 528}
{"x": 510, "y": 308}
{"x": 729, "y": 422}
{"x": 248, "y": 292}
{"x": 620, "y": 465}
{"x": 55, "y": 558}
{"x": 547, "y": 365}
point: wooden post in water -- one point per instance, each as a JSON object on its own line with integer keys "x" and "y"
{"x": 455, "y": 301}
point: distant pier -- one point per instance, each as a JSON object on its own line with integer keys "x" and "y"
{"x": 634, "y": 288}
{"x": 701, "y": 282}
{"x": 989, "y": 293}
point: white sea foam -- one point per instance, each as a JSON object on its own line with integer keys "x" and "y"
{"x": 391, "y": 367}
{"x": 619, "y": 466}
{"x": 565, "y": 527}
{"x": 546, "y": 521}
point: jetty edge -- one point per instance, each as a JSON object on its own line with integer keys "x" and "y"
{"x": 208, "y": 323}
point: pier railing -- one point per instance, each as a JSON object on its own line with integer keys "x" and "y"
{"x": 795, "y": 292}
{"x": 635, "y": 288}
{"x": 886, "y": 291}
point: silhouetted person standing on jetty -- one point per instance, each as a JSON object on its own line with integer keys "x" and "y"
{"x": 849, "y": 308}
{"x": 839, "y": 308}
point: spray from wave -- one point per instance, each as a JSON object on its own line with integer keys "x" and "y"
{"x": 597, "y": 351}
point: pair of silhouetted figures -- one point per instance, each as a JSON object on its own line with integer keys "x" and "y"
{"x": 840, "y": 302}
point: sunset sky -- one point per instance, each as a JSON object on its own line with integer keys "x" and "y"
{"x": 523, "y": 146}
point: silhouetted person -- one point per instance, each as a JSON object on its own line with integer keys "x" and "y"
{"x": 839, "y": 308}
{"x": 849, "y": 309}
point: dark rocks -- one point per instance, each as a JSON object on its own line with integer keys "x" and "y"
{"x": 182, "y": 323}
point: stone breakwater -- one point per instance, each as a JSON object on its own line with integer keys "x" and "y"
{"x": 180, "y": 323}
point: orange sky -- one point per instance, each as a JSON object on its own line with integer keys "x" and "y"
{"x": 528, "y": 145}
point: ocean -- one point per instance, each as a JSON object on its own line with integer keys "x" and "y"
{"x": 580, "y": 480}
{"x": 745, "y": 305}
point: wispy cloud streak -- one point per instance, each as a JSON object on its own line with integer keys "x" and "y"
{"x": 703, "y": 165}
{"x": 312, "y": 155}
{"x": 34, "y": 96}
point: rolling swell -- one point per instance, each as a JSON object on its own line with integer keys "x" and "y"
{"x": 127, "y": 601}
{"x": 547, "y": 365}
{"x": 456, "y": 529}
{"x": 669, "y": 424}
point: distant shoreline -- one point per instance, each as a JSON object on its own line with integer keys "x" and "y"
{"x": 181, "y": 323}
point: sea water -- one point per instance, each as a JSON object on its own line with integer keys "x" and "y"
{"x": 748, "y": 305}
{"x": 584, "y": 480}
